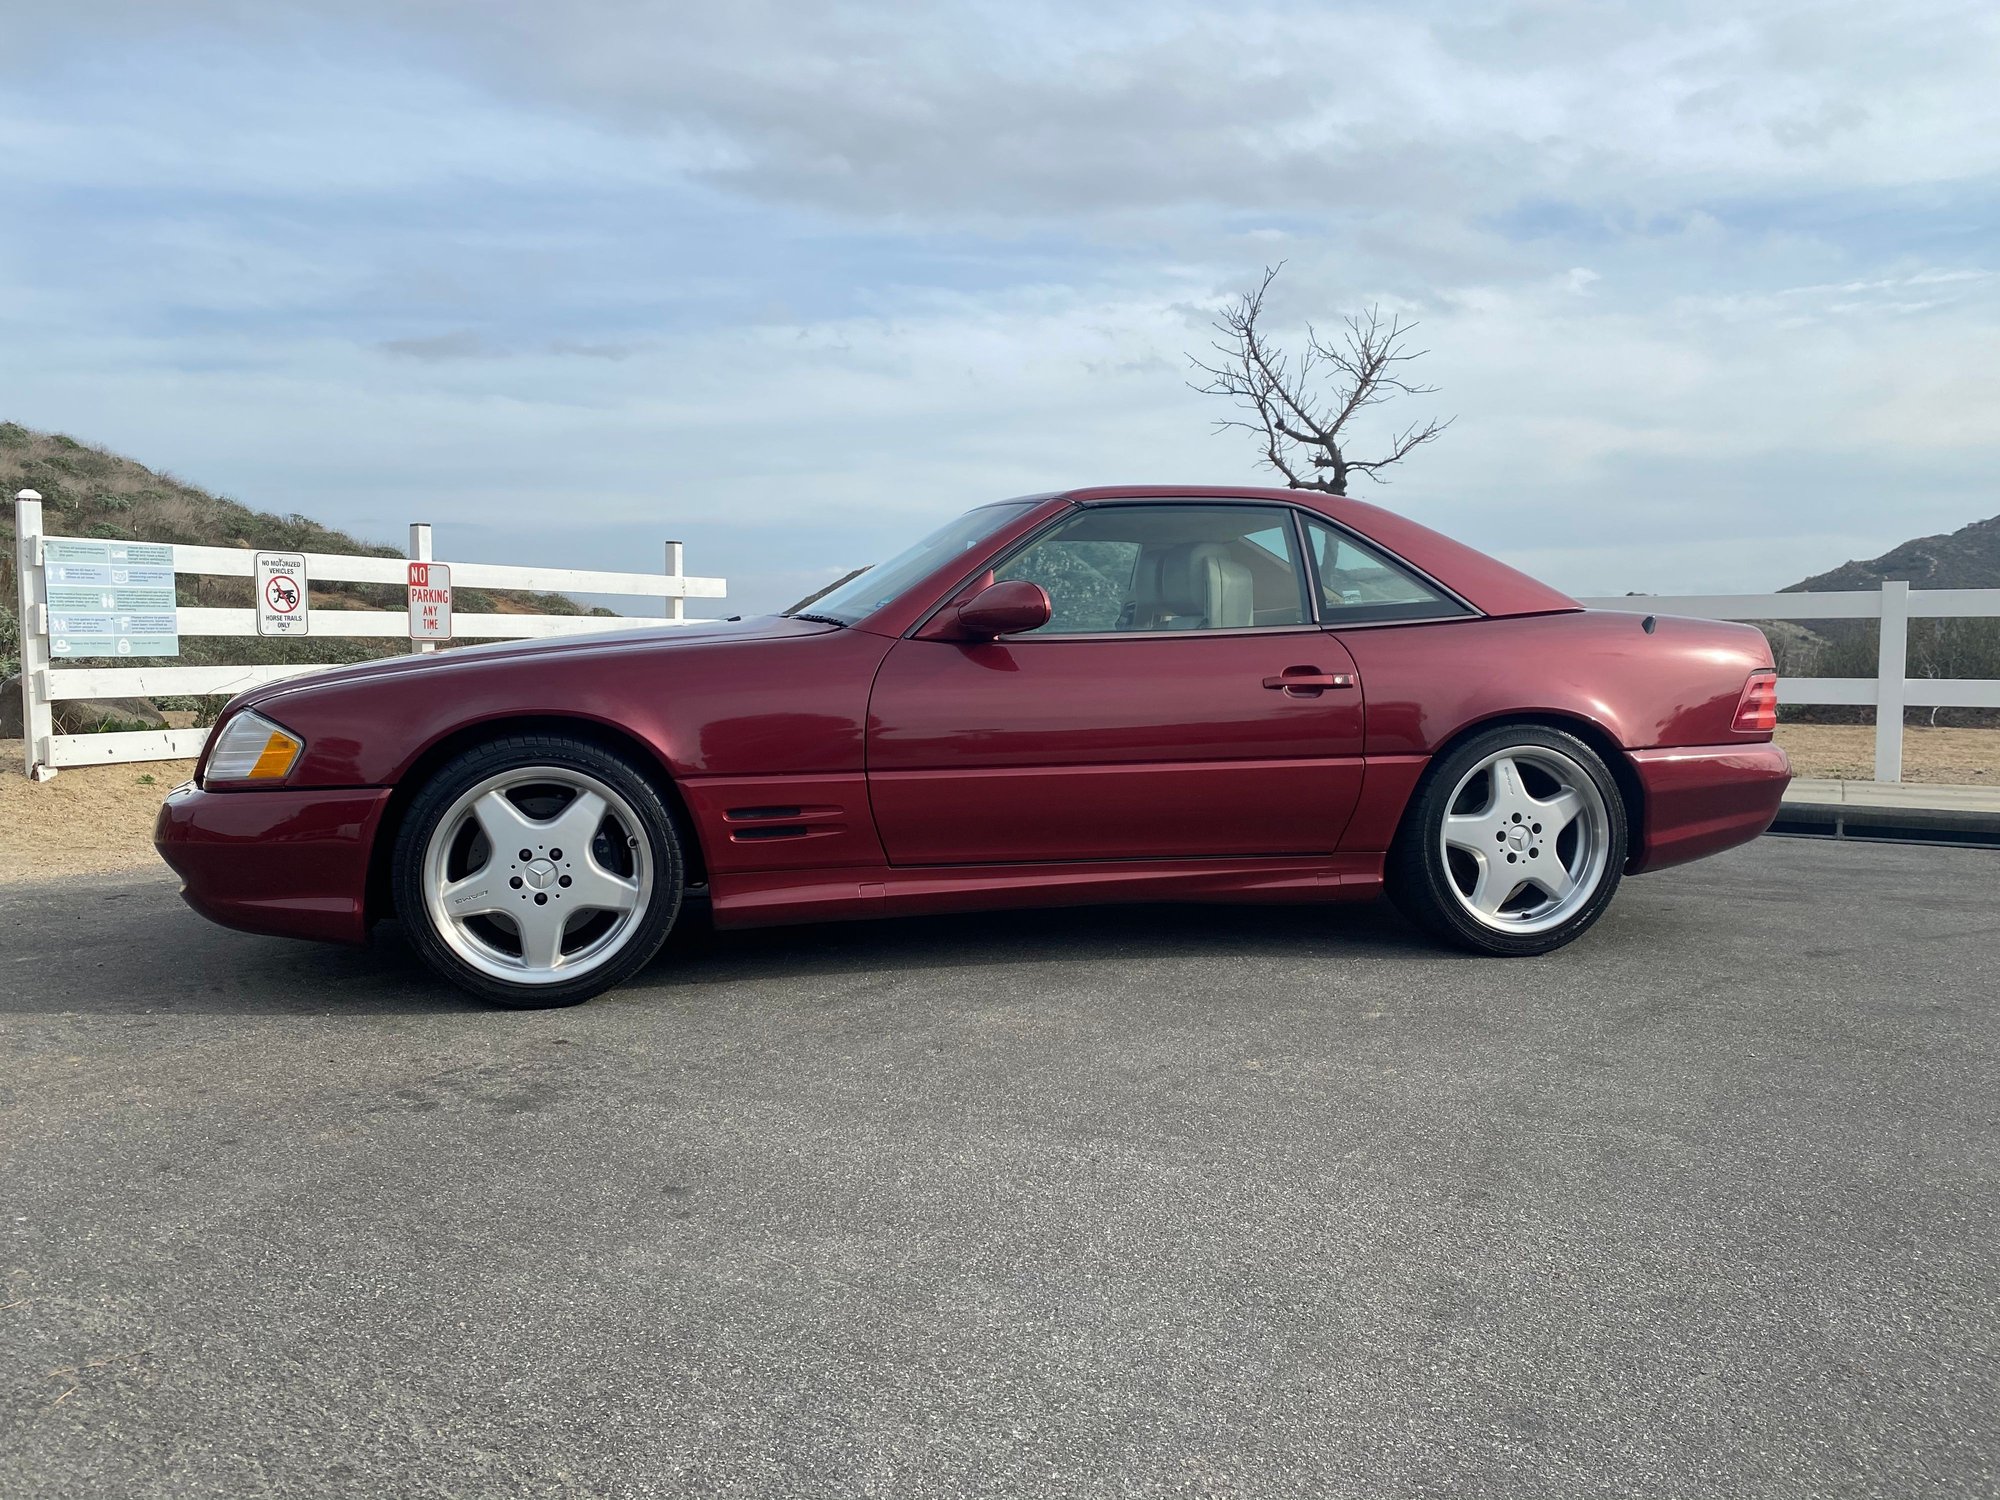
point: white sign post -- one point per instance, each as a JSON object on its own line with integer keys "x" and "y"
{"x": 430, "y": 601}
{"x": 282, "y": 605}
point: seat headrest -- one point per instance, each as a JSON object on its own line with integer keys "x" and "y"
{"x": 1193, "y": 586}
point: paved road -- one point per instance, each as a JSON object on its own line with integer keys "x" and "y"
{"x": 1183, "y": 1201}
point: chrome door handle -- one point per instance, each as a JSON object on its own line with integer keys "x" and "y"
{"x": 1310, "y": 679}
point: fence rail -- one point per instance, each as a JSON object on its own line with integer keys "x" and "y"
{"x": 44, "y": 684}
{"x": 1891, "y": 689}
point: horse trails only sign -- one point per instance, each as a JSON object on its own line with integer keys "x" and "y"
{"x": 282, "y": 606}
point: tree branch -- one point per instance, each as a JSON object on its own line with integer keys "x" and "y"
{"x": 1305, "y": 437}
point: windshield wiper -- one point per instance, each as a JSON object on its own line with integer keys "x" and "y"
{"x": 821, "y": 620}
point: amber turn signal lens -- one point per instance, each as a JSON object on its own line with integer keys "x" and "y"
{"x": 251, "y": 748}
{"x": 1757, "y": 709}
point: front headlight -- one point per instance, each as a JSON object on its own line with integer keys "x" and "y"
{"x": 252, "y": 748}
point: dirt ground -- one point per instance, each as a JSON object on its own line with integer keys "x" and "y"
{"x": 1846, "y": 752}
{"x": 94, "y": 818}
{"x": 88, "y": 819}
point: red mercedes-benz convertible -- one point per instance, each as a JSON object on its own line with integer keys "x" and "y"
{"x": 1172, "y": 694}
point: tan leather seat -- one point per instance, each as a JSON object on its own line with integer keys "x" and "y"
{"x": 1194, "y": 586}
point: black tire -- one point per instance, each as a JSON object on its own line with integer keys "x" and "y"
{"x": 650, "y": 920}
{"x": 1430, "y": 886}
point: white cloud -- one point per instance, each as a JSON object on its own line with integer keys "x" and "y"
{"x": 1617, "y": 452}
{"x": 1704, "y": 285}
{"x": 936, "y": 111}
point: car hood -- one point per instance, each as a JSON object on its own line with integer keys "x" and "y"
{"x": 557, "y": 649}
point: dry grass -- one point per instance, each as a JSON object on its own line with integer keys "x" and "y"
{"x": 89, "y": 819}
{"x": 91, "y": 493}
{"x": 1941, "y": 757}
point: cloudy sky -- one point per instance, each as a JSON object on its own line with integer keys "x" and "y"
{"x": 1713, "y": 290}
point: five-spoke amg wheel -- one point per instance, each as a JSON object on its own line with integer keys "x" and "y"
{"x": 1514, "y": 842}
{"x": 538, "y": 871}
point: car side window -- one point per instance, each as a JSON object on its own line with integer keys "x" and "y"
{"x": 1357, "y": 583}
{"x": 1123, "y": 568}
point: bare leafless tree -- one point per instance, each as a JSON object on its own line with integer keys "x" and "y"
{"x": 1300, "y": 407}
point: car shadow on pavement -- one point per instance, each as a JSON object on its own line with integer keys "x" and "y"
{"x": 112, "y": 947}
{"x": 699, "y": 953}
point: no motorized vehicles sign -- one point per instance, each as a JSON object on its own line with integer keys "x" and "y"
{"x": 282, "y": 607}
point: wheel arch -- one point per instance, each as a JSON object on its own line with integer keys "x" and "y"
{"x": 1592, "y": 733}
{"x": 644, "y": 757}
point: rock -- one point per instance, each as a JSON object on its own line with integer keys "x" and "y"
{"x": 80, "y": 716}
{"x": 89, "y": 715}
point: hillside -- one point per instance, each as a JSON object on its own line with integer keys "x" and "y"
{"x": 88, "y": 492}
{"x": 1968, "y": 558}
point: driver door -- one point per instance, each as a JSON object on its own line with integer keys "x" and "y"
{"x": 1180, "y": 703}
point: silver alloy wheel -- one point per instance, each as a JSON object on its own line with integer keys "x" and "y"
{"x": 1526, "y": 839}
{"x": 538, "y": 875}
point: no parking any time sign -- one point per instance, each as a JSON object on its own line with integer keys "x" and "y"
{"x": 430, "y": 601}
{"x": 282, "y": 606}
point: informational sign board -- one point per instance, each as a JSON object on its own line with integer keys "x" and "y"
{"x": 282, "y": 606}
{"x": 110, "y": 598}
{"x": 430, "y": 601}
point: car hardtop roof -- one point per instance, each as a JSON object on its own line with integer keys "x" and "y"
{"x": 1192, "y": 493}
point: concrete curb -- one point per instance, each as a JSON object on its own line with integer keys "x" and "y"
{"x": 1903, "y": 810}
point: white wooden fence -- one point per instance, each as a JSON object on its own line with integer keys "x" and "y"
{"x": 44, "y": 684}
{"x": 1889, "y": 692}
{"x": 1891, "y": 689}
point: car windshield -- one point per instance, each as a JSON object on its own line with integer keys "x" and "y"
{"x": 867, "y": 592}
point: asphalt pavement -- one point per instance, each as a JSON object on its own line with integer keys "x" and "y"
{"x": 1270, "y": 1201}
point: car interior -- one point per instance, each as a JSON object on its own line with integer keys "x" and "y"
{"x": 1139, "y": 568}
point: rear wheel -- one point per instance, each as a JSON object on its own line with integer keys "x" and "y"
{"x": 538, "y": 871}
{"x": 1513, "y": 844}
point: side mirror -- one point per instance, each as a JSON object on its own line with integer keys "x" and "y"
{"x": 996, "y": 610}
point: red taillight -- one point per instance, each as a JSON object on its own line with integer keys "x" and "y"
{"x": 1757, "y": 709}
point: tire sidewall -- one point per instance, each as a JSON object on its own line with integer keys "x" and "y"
{"x": 1420, "y": 881}
{"x": 523, "y": 752}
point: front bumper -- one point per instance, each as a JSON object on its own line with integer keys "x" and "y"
{"x": 292, "y": 863}
{"x": 1702, "y": 799}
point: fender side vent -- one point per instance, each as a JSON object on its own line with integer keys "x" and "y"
{"x": 760, "y": 814}
{"x": 768, "y": 831}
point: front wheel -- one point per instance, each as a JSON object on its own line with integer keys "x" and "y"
{"x": 538, "y": 871}
{"x": 1513, "y": 844}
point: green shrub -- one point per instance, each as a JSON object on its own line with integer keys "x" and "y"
{"x": 10, "y": 642}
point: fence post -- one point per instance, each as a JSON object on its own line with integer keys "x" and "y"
{"x": 32, "y": 597}
{"x": 420, "y": 551}
{"x": 676, "y": 603}
{"x": 1891, "y": 671}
